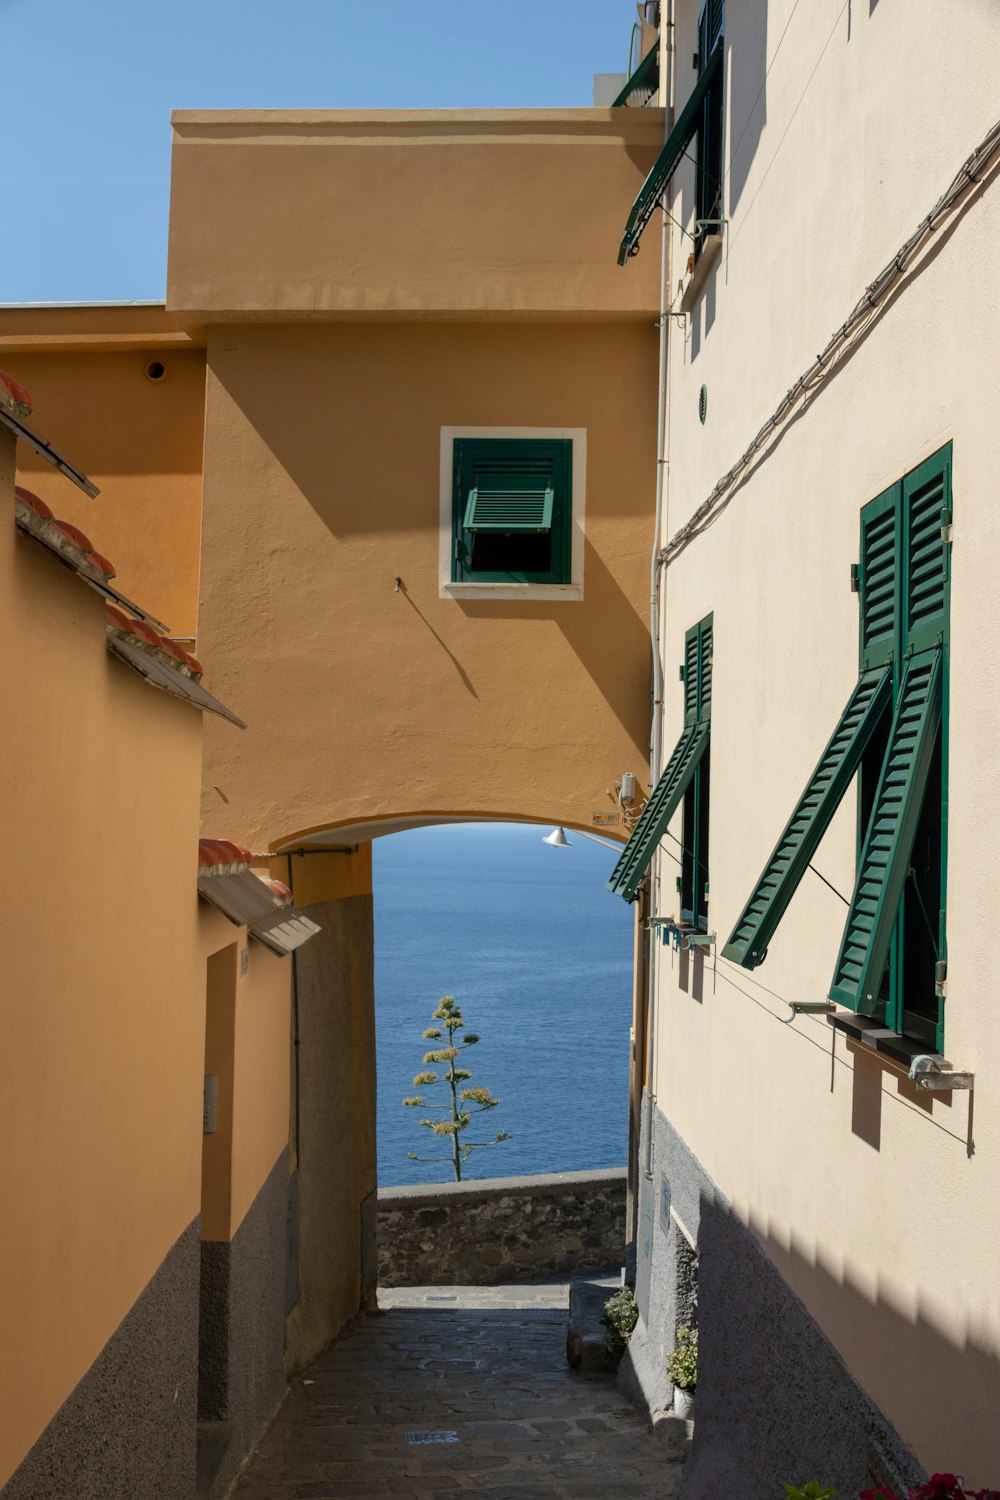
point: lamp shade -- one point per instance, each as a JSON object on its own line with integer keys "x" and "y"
{"x": 557, "y": 838}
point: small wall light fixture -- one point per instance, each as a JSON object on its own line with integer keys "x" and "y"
{"x": 557, "y": 838}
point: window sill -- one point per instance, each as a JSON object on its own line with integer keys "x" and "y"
{"x": 569, "y": 592}
{"x": 937, "y": 1075}
{"x": 711, "y": 251}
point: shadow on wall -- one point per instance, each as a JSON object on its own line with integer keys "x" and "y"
{"x": 746, "y": 69}
{"x": 776, "y": 1402}
{"x": 616, "y": 658}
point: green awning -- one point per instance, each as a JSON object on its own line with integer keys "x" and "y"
{"x": 509, "y": 511}
{"x": 669, "y": 159}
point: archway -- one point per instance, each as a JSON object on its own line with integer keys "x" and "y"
{"x": 332, "y": 1208}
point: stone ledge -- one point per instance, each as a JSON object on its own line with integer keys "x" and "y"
{"x": 536, "y": 1185}
{"x": 500, "y": 1229}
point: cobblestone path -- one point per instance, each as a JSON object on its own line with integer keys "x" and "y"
{"x": 484, "y": 1366}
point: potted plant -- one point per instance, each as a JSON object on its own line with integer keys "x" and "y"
{"x": 682, "y": 1370}
{"x": 620, "y": 1315}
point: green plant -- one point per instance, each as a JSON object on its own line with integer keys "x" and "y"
{"x": 620, "y": 1315}
{"x": 682, "y": 1364}
{"x": 812, "y": 1491}
{"x": 476, "y": 1101}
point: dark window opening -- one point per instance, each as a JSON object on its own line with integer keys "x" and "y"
{"x": 708, "y": 179}
{"x": 694, "y": 858}
{"x": 496, "y": 553}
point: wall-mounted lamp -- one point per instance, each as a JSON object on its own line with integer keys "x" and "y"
{"x": 557, "y": 838}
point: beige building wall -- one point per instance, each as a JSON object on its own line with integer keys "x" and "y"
{"x": 877, "y": 1205}
{"x": 100, "y": 1072}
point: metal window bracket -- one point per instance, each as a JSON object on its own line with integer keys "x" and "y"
{"x": 682, "y": 936}
{"x": 934, "y": 1073}
{"x": 808, "y": 1008}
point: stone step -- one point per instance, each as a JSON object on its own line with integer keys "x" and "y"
{"x": 586, "y": 1351}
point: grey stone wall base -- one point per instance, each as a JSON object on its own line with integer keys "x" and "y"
{"x": 242, "y": 1365}
{"x": 128, "y": 1429}
{"x": 775, "y": 1400}
{"x": 501, "y": 1229}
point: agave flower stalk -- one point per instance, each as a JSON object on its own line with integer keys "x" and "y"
{"x": 463, "y": 1102}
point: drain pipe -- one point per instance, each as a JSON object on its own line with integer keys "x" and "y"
{"x": 654, "y": 594}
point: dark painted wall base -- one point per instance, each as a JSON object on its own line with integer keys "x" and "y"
{"x": 241, "y": 1341}
{"x": 128, "y": 1430}
{"x": 775, "y": 1401}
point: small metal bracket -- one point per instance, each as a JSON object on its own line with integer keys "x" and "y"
{"x": 946, "y": 536}
{"x": 855, "y": 578}
{"x": 934, "y": 1073}
{"x": 682, "y": 936}
{"x": 809, "y": 1008}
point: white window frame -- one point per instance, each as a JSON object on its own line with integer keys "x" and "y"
{"x": 569, "y": 592}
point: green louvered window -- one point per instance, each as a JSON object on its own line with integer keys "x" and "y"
{"x": 685, "y": 779}
{"x": 702, "y": 116}
{"x": 512, "y": 510}
{"x": 893, "y": 948}
{"x": 708, "y": 178}
{"x": 893, "y": 954}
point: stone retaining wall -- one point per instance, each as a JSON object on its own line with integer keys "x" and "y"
{"x": 501, "y": 1229}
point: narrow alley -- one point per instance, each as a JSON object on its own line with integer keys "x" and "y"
{"x": 451, "y": 1393}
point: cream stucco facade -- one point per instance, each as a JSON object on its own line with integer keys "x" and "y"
{"x": 876, "y": 1204}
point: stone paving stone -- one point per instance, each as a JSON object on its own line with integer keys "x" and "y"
{"x": 485, "y": 1362}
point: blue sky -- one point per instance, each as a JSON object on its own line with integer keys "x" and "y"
{"x": 88, "y": 90}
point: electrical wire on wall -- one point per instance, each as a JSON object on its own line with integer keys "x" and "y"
{"x": 969, "y": 174}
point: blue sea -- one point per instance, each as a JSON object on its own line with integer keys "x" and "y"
{"x": 539, "y": 957}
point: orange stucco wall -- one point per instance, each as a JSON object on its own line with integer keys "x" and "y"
{"x": 246, "y": 1047}
{"x": 139, "y": 440}
{"x": 434, "y": 212}
{"x": 100, "y": 1070}
{"x": 322, "y": 487}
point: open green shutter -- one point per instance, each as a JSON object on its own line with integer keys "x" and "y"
{"x": 810, "y": 820}
{"x": 509, "y": 511}
{"x": 664, "y": 800}
{"x": 669, "y": 159}
{"x": 888, "y": 844}
{"x": 643, "y": 83}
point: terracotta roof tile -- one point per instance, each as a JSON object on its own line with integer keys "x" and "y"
{"x": 148, "y": 639}
{"x": 13, "y": 397}
{"x": 221, "y": 855}
{"x": 34, "y": 504}
{"x": 67, "y": 541}
{"x": 279, "y": 888}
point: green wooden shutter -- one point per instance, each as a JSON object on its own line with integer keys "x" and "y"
{"x": 879, "y": 577}
{"x": 888, "y": 844}
{"x": 669, "y": 791}
{"x": 926, "y": 510}
{"x": 697, "y": 671}
{"x": 664, "y": 800}
{"x": 669, "y": 159}
{"x": 509, "y": 510}
{"x": 517, "y": 487}
{"x": 822, "y": 796}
